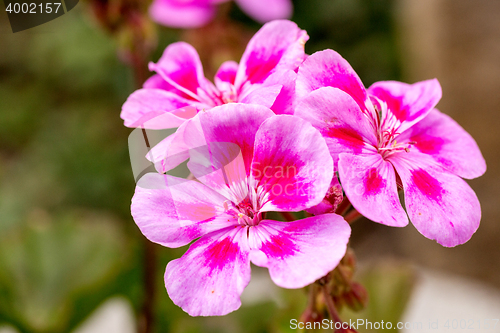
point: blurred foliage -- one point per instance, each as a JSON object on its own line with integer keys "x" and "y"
{"x": 67, "y": 241}
{"x": 389, "y": 285}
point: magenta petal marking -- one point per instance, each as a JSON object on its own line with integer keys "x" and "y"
{"x": 339, "y": 119}
{"x": 278, "y": 45}
{"x": 225, "y": 76}
{"x": 285, "y": 101}
{"x": 300, "y": 252}
{"x": 370, "y": 184}
{"x": 428, "y": 185}
{"x": 210, "y": 277}
{"x": 180, "y": 66}
{"x": 233, "y": 123}
{"x": 441, "y": 205}
{"x": 291, "y": 164}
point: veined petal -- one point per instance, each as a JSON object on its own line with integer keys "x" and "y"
{"x": 370, "y": 184}
{"x": 328, "y": 69}
{"x": 291, "y": 166}
{"x": 231, "y": 123}
{"x": 409, "y": 103}
{"x": 173, "y": 212}
{"x": 339, "y": 119}
{"x": 182, "y": 14}
{"x": 181, "y": 67}
{"x": 278, "y": 45}
{"x": 210, "y": 277}
{"x": 152, "y": 109}
{"x": 447, "y": 143}
{"x": 225, "y": 76}
{"x": 267, "y": 10}
{"x": 300, "y": 252}
{"x": 442, "y": 206}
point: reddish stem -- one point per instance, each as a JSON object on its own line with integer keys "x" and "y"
{"x": 352, "y": 216}
{"x": 330, "y": 305}
{"x": 288, "y": 216}
{"x": 343, "y": 206}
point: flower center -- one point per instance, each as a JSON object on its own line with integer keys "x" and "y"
{"x": 244, "y": 211}
{"x": 387, "y": 126}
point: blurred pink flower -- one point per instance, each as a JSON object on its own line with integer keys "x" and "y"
{"x": 197, "y": 13}
{"x": 392, "y": 134}
{"x": 254, "y": 162}
{"x": 266, "y": 76}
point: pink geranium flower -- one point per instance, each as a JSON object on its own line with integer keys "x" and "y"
{"x": 391, "y": 134}
{"x": 253, "y": 162}
{"x": 264, "y": 76}
{"x": 197, "y": 13}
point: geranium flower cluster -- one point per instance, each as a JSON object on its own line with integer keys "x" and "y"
{"x": 285, "y": 132}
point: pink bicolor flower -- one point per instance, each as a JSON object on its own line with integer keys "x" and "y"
{"x": 265, "y": 76}
{"x": 391, "y": 134}
{"x": 254, "y": 162}
{"x": 197, "y": 13}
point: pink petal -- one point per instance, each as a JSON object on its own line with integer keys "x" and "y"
{"x": 171, "y": 151}
{"x": 370, "y": 184}
{"x": 409, "y": 103}
{"x": 157, "y": 82}
{"x": 263, "y": 95}
{"x": 225, "y": 76}
{"x": 448, "y": 143}
{"x": 172, "y": 211}
{"x": 230, "y": 123}
{"x": 285, "y": 101}
{"x": 266, "y": 10}
{"x": 210, "y": 277}
{"x": 144, "y": 105}
{"x": 181, "y": 13}
{"x": 298, "y": 253}
{"x": 332, "y": 199}
{"x": 180, "y": 66}
{"x": 278, "y": 45}
{"x": 328, "y": 69}
{"x": 339, "y": 119}
{"x": 220, "y": 166}
{"x": 291, "y": 164}
{"x": 440, "y": 205}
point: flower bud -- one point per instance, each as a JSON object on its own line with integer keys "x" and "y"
{"x": 357, "y": 297}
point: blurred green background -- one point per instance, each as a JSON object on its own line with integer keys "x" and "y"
{"x": 67, "y": 240}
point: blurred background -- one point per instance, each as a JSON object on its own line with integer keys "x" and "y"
{"x": 71, "y": 257}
